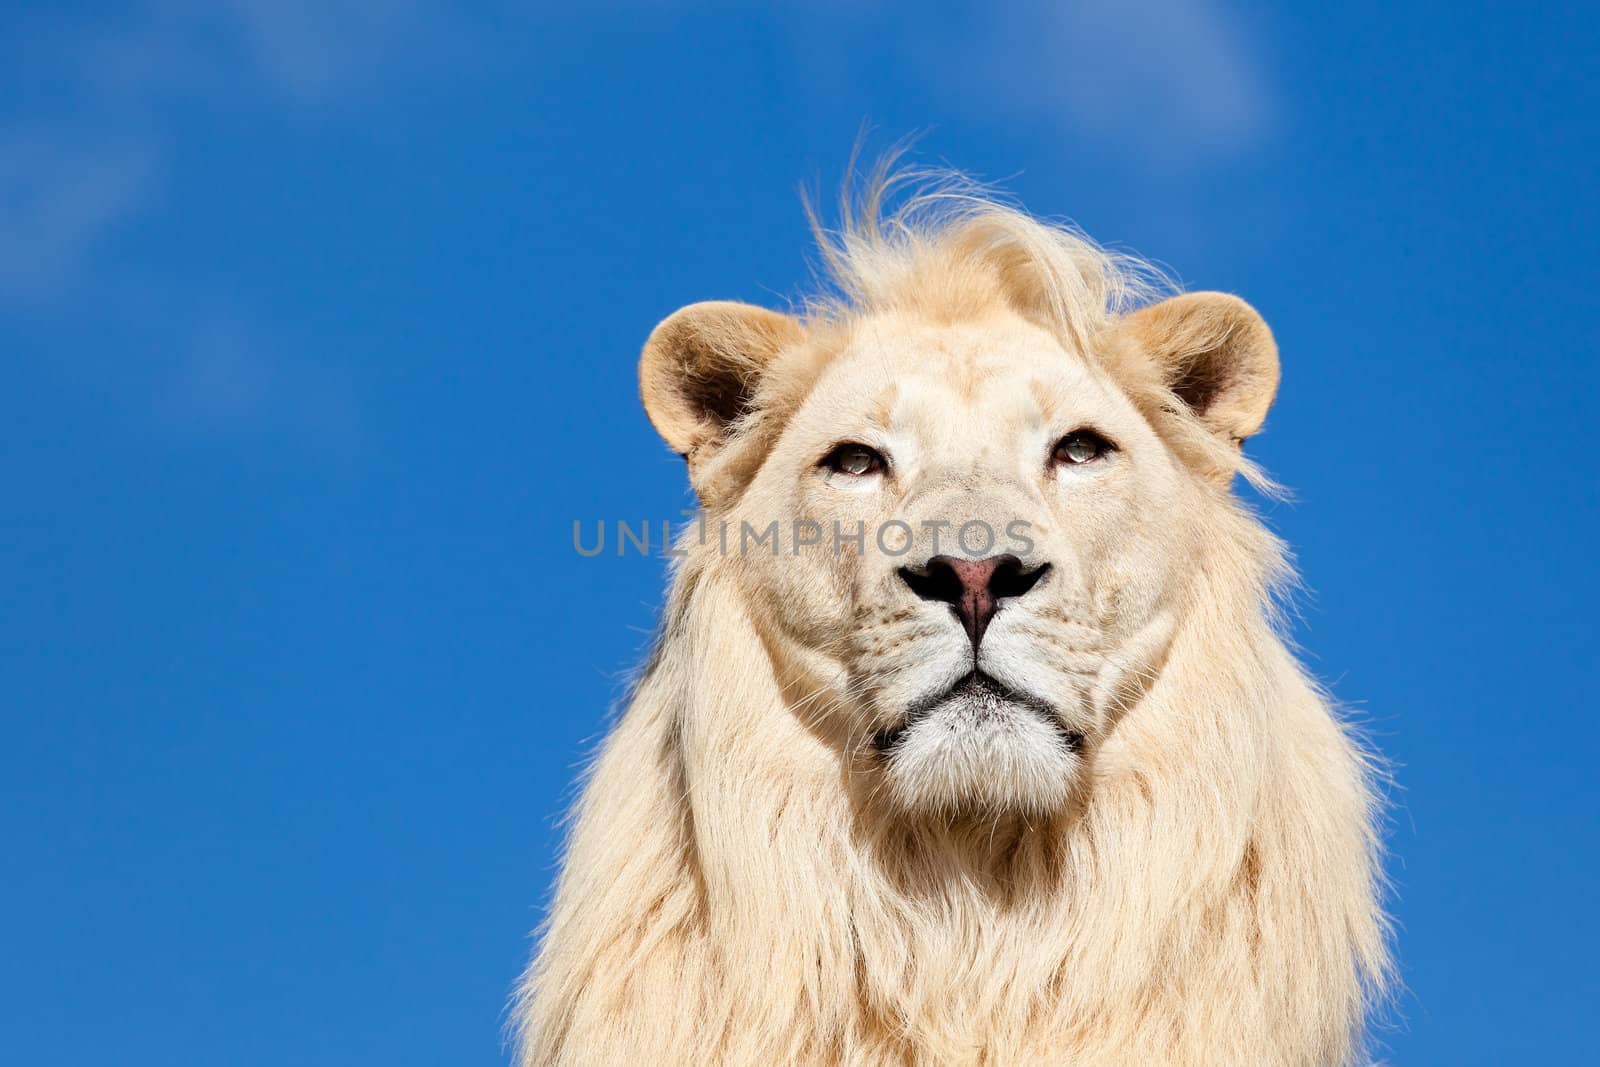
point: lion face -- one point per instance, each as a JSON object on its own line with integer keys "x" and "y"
{"x": 998, "y": 540}
{"x": 967, "y": 533}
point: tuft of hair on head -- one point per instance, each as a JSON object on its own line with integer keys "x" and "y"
{"x": 941, "y": 243}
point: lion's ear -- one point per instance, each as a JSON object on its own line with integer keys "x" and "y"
{"x": 700, "y": 369}
{"x": 1217, "y": 356}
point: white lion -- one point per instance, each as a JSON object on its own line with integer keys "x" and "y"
{"x": 994, "y": 754}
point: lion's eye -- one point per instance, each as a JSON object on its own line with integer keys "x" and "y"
{"x": 854, "y": 460}
{"x": 1081, "y": 446}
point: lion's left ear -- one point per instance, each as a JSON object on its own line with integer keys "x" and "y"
{"x": 1216, "y": 354}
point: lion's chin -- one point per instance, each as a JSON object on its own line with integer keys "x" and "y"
{"x": 980, "y": 748}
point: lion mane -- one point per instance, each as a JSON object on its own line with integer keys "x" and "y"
{"x": 726, "y": 897}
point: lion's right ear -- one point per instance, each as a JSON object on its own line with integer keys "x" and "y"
{"x": 700, "y": 369}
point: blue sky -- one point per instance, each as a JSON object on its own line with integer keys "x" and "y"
{"x": 318, "y": 325}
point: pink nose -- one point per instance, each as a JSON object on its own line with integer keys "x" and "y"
{"x": 973, "y": 588}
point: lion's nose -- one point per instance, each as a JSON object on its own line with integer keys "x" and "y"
{"x": 973, "y": 588}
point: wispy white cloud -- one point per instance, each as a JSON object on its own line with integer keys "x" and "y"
{"x": 1174, "y": 77}
{"x": 312, "y": 52}
{"x": 71, "y": 172}
{"x": 59, "y": 198}
{"x": 86, "y": 159}
{"x": 1176, "y": 83}
{"x": 230, "y": 381}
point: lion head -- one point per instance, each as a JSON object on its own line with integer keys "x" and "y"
{"x": 968, "y": 736}
{"x": 975, "y": 526}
